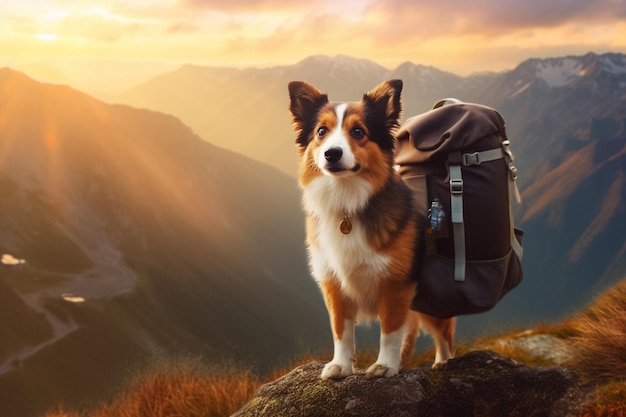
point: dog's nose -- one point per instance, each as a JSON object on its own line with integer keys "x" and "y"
{"x": 333, "y": 155}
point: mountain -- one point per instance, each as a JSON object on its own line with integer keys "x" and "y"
{"x": 552, "y": 105}
{"x": 246, "y": 110}
{"x": 566, "y": 118}
{"x": 138, "y": 238}
{"x": 545, "y": 101}
{"x": 101, "y": 78}
{"x": 573, "y": 215}
{"x": 562, "y": 114}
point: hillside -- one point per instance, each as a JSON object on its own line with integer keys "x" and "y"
{"x": 172, "y": 243}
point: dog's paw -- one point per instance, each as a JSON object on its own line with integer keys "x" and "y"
{"x": 333, "y": 370}
{"x": 379, "y": 369}
{"x": 439, "y": 365}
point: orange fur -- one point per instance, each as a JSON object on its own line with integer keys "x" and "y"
{"x": 339, "y": 306}
{"x": 394, "y": 299}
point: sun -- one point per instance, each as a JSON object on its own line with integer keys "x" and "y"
{"x": 46, "y": 37}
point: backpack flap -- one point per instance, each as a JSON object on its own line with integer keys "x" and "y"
{"x": 447, "y": 129}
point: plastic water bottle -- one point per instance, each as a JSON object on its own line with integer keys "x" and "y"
{"x": 437, "y": 226}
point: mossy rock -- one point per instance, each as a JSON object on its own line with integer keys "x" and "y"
{"x": 479, "y": 383}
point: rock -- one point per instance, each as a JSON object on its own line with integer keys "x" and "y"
{"x": 540, "y": 345}
{"x": 479, "y": 383}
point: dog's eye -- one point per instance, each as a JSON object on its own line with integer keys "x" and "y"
{"x": 322, "y": 131}
{"x": 357, "y": 133}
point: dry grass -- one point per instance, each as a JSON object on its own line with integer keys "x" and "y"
{"x": 609, "y": 401}
{"x": 599, "y": 352}
{"x": 600, "y": 343}
{"x": 188, "y": 388}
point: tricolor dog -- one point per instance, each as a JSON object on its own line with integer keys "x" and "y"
{"x": 361, "y": 225}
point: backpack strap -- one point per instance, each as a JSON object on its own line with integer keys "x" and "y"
{"x": 508, "y": 156}
{"x": 455, "y": 161}
{"x": 514, "y": 195}
{"x": 456, "y": 209}
{"x": 477, "y": 158}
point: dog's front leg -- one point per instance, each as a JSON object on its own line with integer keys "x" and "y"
{"x": 393, "y": 310}
{"x": 342, "y": 313}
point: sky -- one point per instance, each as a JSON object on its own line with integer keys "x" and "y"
{"x": 459, "y": 36}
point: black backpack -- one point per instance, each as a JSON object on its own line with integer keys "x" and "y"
{"x": 457, "y": 160}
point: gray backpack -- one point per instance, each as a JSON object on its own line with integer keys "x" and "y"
{"x": 457, "y": 160}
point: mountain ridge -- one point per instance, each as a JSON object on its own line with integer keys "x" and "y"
{"x": 346, "y": 78}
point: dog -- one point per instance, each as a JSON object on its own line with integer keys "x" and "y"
{"x": 361, "y": 226}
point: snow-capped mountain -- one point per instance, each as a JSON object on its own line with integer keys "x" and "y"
{"x": 550, "y": 102}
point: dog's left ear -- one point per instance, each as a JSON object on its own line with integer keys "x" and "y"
{"x": 386, "y": 99}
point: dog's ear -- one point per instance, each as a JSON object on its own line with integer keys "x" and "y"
{"x": 385, "y": 100}
{"x": 306, "y": 100}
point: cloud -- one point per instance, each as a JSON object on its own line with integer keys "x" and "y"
{"x": 461, "y": 17}
{"x": 246, "y": 5}
{"x": 456, "y": 35}
{"x": 417, "y": 27}
{"x": 95, "y": 24}
{"x": 183, "y": 28}
{"x": 98, "y": 24}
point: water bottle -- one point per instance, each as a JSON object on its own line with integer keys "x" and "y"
{"x": 437, "y": 226}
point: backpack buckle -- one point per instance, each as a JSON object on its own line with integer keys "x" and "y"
{"x": 470, "y": 159}
{"x": 456, "y": 186}
{"x": 506, "y": 147}
{"x": 508, "y": 154}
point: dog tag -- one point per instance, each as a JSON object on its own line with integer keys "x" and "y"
{"x": 346, "y": 225}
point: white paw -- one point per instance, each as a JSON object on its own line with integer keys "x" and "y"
{"x": 440, "y": 364}
{"x": 333, "y": 370}
{"x": 379, "y": 369}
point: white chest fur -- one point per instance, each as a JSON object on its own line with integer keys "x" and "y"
{"x": 349, "y": 257}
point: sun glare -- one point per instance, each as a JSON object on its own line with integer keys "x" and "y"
{"x": 46, "y": 37}
{"x": 54, "y": 16}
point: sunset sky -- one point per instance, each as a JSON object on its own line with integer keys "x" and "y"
{"x": 455, "y": 35}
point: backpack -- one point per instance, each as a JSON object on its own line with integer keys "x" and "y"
{"x": 457, "y": 160}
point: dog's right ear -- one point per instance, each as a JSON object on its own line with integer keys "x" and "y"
{"x": 306, "y": 100}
